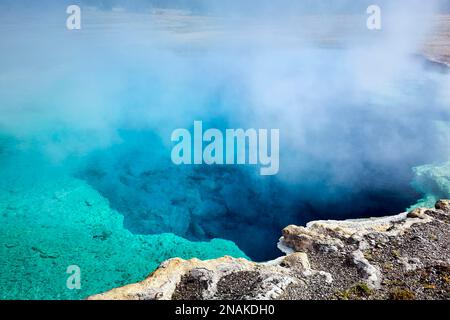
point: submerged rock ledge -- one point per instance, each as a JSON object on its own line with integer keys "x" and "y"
{"x": 406, "y": 256}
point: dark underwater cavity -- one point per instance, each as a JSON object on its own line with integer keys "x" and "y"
{"x": 230, "y": 202}
{"x": 357, "y": 164}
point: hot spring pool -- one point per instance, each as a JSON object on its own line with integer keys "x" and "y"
{"x": 86, "y": 177}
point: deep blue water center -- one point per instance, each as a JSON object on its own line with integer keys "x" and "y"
{"x": 230, "y": 202}
{"x": 347, "y": 149}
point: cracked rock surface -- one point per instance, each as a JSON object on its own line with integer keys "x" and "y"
{"x": 406, "y": 256}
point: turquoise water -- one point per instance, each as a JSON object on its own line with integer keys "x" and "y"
{"x": 50, "y": 220}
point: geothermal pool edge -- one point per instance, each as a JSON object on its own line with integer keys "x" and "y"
{"x": 400, "y": 257}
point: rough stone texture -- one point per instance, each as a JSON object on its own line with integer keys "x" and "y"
{"x": 406, "y": 256}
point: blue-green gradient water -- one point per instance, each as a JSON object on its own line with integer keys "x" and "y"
{"x": 85, "y": 123}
